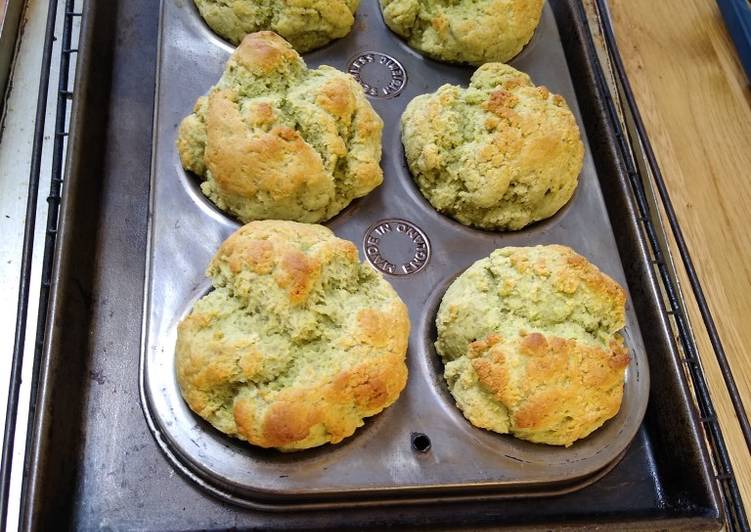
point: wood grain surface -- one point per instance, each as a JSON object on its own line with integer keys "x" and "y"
{"x": 696, "y": 103}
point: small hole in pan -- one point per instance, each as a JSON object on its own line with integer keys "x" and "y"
{"x": 420, "y": 442}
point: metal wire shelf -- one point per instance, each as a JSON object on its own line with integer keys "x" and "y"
{"x": 64, "y": 100}
{"x": 633, "y": 142}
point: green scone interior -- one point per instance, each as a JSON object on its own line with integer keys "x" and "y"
{"x": 464, "y": 31}
{"x": 276, "y": 140}
{"x": 306, "y": 24}
{"x": 529, "y": 338}
{"x": 499, "y": 154}
{"x": 298, "y": 341}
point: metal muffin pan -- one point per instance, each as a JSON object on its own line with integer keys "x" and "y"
{"x": 421, "y": 252}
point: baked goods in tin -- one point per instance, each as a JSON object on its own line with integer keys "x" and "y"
{"x": 499, "y": 154}
{"x": 306, "y": 24}
{"x": 529, "y": 338}
{"x": 297, "y": 343}
{"x": 464, "y": 31}
{"x": 276, "y": 140}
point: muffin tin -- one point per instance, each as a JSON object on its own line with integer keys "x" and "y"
{"x": 421, "y": 447}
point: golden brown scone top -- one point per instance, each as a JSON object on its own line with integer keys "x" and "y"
{"x": 499, "y": 154}
{"x": 297, "y": 343}
{"x": 531, "y": 344}
{"x": 464, "y": 31}
{"x": 306, "y": 24}
{"x": 275, "y": 140}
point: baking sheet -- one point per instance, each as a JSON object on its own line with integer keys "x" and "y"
{"x": 93, "y": 460}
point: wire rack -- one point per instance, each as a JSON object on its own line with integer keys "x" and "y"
{"x": 62, "y": 104}
{"x": 644, "y": 175}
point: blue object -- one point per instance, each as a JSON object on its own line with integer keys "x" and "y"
{"x": 737, "y": 15}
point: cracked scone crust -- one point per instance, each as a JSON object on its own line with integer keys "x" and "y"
{"x": 275, "y": 140}
{"x": 306, "y": 24}
{"x": 464, "y": 31}
{"x": 529, "y": 338}
{"x": 298, "y": 341}
{"x": 499, "y": 154}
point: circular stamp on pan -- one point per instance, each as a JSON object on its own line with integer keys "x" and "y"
{"x": 381, "y": 75}
{"x": 396, "y": 247}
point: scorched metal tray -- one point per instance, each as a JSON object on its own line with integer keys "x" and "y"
{"x": 94, "y": 462}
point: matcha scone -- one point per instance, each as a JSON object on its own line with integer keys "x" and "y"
{"x": 275, "y": 140}
{"x": 529, "y": 338}
{"x": 464, "y": 31}
{"x": 297, "y": 342}
{"x": 306, "y": 24}
{"x": 499, "y": 154}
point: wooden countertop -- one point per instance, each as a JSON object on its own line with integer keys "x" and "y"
{"x": 695, "y": 100}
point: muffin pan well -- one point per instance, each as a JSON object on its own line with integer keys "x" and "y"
{"x": 421, "y": 446}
